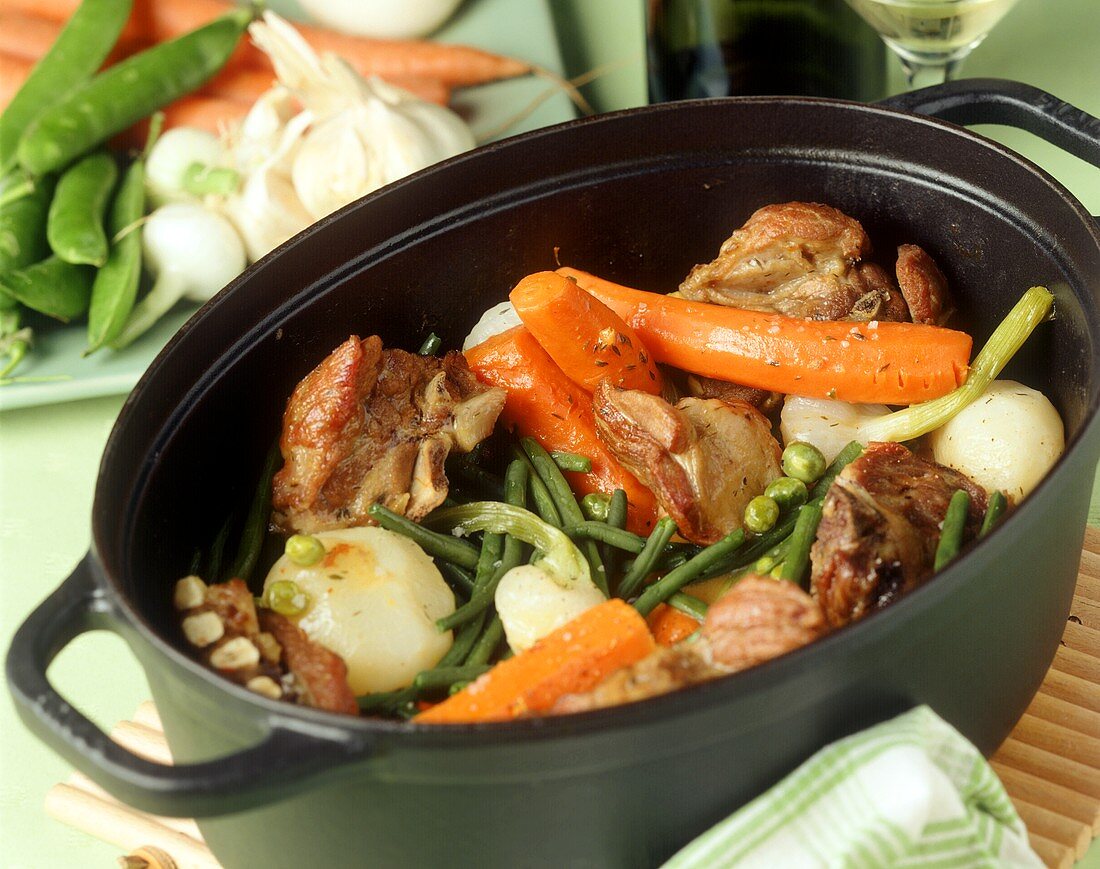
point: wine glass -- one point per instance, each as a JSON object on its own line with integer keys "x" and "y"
{"x": 932, "y": 37}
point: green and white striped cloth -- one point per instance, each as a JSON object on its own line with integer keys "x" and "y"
{"x": 909, "y": 792}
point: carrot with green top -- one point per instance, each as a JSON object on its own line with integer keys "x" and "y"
{"x": 587, "y": 340}
{"x": 885, "y": 363}
{"x": 546, "y": 405}
{"x": 573, "y": 659}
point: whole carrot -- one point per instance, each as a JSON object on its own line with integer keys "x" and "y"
{"x": 546, "y": 405}
{"x": 880, "y": 363}
{"x": 587, "y": 340}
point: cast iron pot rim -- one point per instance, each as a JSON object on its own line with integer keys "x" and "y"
{"x": 691, "y": 699}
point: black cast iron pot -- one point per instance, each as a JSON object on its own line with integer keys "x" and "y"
{"x": 638, "y": 197}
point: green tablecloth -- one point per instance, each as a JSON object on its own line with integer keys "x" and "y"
{"x": 49, "y": 456}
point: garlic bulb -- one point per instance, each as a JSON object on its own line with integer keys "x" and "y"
{"x": 323, "y": 137}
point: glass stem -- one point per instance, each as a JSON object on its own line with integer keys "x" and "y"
{"x": 920, "y": 75}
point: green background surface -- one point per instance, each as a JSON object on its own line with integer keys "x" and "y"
{"x": 49, "y": 455}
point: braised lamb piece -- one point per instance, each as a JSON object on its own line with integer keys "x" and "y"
{"x": 880, "y": 527}
{"x": 703, "y": 459}
{"x": 760, "y": 618}
{"x": 260, "y": 649}
{"x": 370, "y": 426}
{"x": 804, "y": 259}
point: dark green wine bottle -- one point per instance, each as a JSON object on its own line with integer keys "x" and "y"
{"x": 714, "y": 48}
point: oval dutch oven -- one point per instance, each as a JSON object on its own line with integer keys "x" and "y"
{"x": 638, "y": 197}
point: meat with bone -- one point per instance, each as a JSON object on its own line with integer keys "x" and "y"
{"x": 760, "y": 618}
{"x": 260, "y": 649}
{"x": 703, "y": 459}
{"x": 807, "y": 260}
{"x": 880, "y": 527}
{"x": 370, "y": 426}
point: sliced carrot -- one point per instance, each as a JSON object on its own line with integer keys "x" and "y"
{"x": 587, "y": 340}
{"x": 881, "y": 363}
{"x": 545, "y": 404}
{"x": 573, "y": 659}
{"x": 670, "y": 626}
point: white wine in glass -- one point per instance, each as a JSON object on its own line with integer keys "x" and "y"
{"x": 931, "y": 37}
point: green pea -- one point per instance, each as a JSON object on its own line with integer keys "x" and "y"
{"x": 787, "y": 492}
{"x": 287, "y": 598}
{"x": 761, "y": 514}
{"x": 304, "y": 550}
{"x": 52, "y": 287}
{"x": 595, "y": 506}
{"x": 74, "y": 227}
{"x": 803, "y": 462}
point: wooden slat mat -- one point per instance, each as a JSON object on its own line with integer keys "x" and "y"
{"x": 1050, "y": 764}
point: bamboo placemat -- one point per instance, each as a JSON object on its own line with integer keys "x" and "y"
{"x": 1050, "y": 764}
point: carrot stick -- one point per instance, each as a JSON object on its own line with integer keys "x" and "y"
{"x": 669, "y": 626}
{"x": 13, "y": 72}
{"x": 587, "y": 340}
{"x": 454, "y": 65}
{"x": 573, "y": 659}
{"x": 882, "y": 363}
{"x": 246, "y": 83}
{"x": 545, "y": 404}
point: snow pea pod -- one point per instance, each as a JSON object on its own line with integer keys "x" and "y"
{"x": 23, "y": 227}
{"x": 52, "y": 287}
{"x": 76, "y": 54}
{"x": 74, "y": 228}
{"x": 128, "y": 91}
{"x": 116, "y": 284}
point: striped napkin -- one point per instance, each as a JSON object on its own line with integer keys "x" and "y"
{"x": 909, "y": 792}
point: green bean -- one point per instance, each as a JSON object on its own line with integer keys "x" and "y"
{"x": 951, "y": 532}
{"x": 52, "y": 287}
{"x": 116, "y": 284}
{"x": 844, "y": 458}
{"x": 460, "y": 580}
{"x": 74, "y": 227}
{"x": 645, "y": 562}
{"x": 255, "y": 524}
{"x": 499, "y": 555}
{"x": 993, "y": 512}
{"x": 688, "y": 604}
{"x": 487, "y": 643}
{"x": 572, "y": 462}
{"x": 213, "y": 569}
{"x": 23, "y": 227}
{"x": 465, "y": 639}
{"x": 566, "y": 503}
{"x": 544, "y": 503}
{"x": 74, "y": 57}
{"x": 445, "y": 677}
{"x": 442, "y": 546}
{"x": 616, "y": 518}
{"x": 387, "y": 702}
{"x": 601, "y": 531}
{"x": 431, "y": 345}
{"x": 673, "y": 581}
{"x": 798, "y": 546}
{"x": 126, "y": 92}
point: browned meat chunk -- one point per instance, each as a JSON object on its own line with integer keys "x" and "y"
{"x": 703, "y": 459}
{"x": 758, "y": 619}
{"x": 662, "y": 671}
{"x": 761, "y": 618}
{"x": 880, "y": 527}
{"x": 768, "y": 403}
{"x": 923, "y": 285}
{"x": 321, "y": 675}
{"x": 370, "y": 426}
{"x": 800, "y": 259}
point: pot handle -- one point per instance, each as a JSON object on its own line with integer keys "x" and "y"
{"x": 1000, "y": 101}
{"x": 254, "y": 776}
